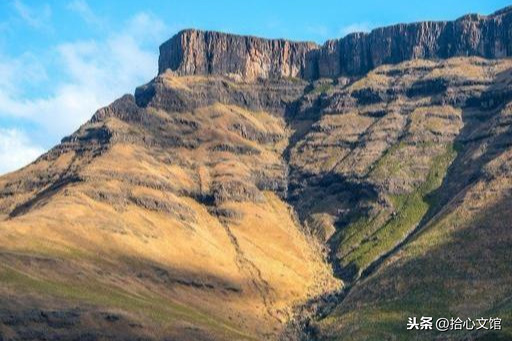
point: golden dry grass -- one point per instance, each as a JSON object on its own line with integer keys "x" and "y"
{"x": 256, "y": 267}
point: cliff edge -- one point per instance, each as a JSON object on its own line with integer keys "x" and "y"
{"x": 194, "y": 52}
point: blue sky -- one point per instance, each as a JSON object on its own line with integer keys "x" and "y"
{"x": 62, "y": 60}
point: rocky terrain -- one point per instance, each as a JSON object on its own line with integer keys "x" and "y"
{"x": 267, "y": 189}
{"x": 193, "y": 52}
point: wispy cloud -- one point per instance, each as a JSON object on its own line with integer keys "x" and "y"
{"x": 96, "y": 72}
{"x": 81, "y": 7}
{"x": 20, "y": 72}
{"x": 147, "y": 27}
{"x": 356, "y": 27}
{"x": 35, "y": 17}
{"x": 16, "y": 150}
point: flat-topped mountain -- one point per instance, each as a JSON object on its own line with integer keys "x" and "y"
{"x": 273, "y": 190}
{"x": 193, "y": 52}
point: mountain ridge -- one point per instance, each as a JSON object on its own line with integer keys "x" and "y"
{"x": 195, "y": 52}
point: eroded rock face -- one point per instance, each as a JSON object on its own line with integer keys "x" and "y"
{"x": 193, "y": 52}
{"x": 471, "y": 35}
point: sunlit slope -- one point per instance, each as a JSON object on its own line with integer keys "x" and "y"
{"x": 203, "y": 207}
{"x": 159, "y": 223}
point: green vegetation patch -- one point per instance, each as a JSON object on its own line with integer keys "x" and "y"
{"x": 322, "y": 88}
{"x": 409, "y": 210}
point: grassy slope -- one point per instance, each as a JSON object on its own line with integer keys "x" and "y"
{"x": 457, "y": 266}
{"x": 159, "y": 309}
{"x": 377, "y": 235}
{"x": 454, "y": 268}
{"x": 107, "y": 248}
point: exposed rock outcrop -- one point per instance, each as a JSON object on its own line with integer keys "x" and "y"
{"x": 193, "y": 52}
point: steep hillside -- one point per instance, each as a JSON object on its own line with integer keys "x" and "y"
{"x": 266, "y": 189}
{"x": 406, "y": 176}
{"x": 158, "y": 223}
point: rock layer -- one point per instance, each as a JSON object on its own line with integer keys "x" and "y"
{"x": 193, "y": 52}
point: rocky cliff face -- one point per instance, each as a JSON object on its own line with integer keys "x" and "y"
{"x": 471, "y": 35}
{"x": 193, "y": 52}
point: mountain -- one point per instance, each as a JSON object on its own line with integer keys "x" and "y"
{"x": 268, "y": 189}
{"x": 193, "y": 52}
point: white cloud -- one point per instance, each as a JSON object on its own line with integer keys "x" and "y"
{"x": 16, "y": 150}
{"x": 81, "y": 7}
{"x": 355, "y": 27}
{"x": 148, "y": 27}
{"x": 20, "y": 71}
{"x": 95, "y": 74}
{"x": 35, "y": 17}
{"x": 55, "y": 116}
